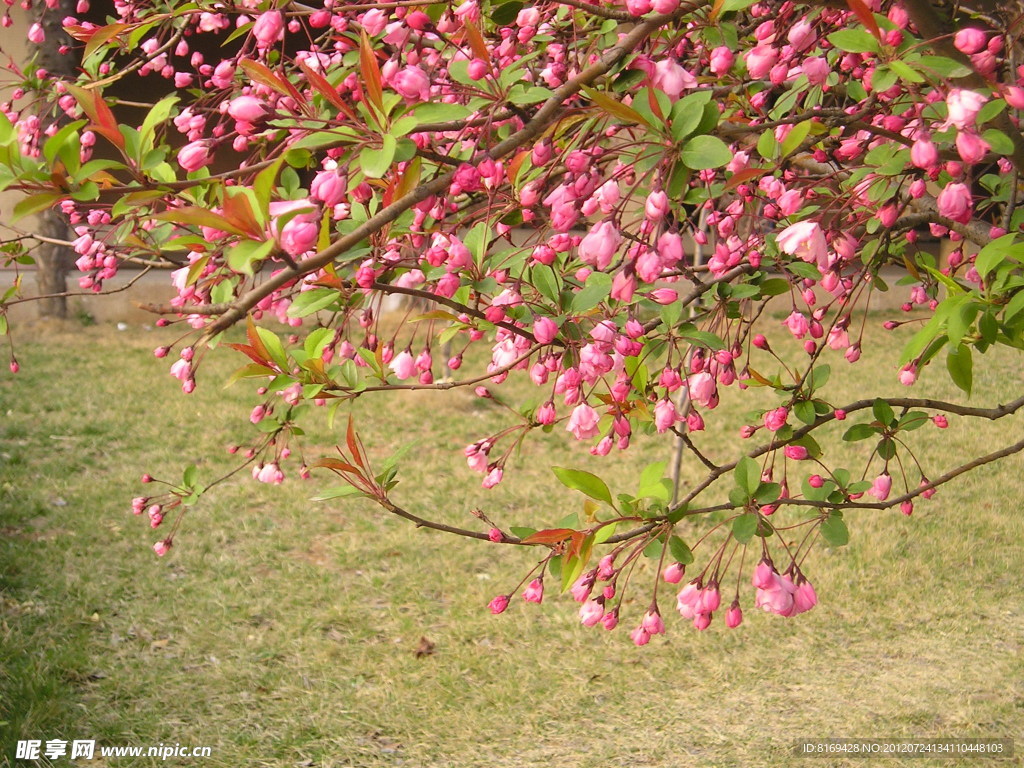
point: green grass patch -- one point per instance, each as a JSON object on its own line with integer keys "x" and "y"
{"x": 282, "y": 632}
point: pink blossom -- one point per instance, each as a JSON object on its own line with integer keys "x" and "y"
{"x": 665, "y": 415}
{"x": 653, "y": 623}
{"x": 923, "y": 153}
{"x": 498, "y": 604}
{"x": 816, "y": 68}
{"x": 802, "y": 36}
{"x": 671, "y": 78}
{"x": 963, "y": 106}
{"x": 702, "y": 388}
{"x": 534, "y": 592}
{"x": 412, "y": 83}
{"x": 797, "y": 324}
{"x": 493, "y": 477}
{"x": 760, "y": 60}
{"x": 403, "y": 364}
{"x": 600, "y": 244}
{"x": 36, "y": 34}
{"x": 162, "y": 547}
{"x": 248, "y": 109}
{"x": 804, "y": 598}
{"x": 268, "y": 29}
{"x": 591, "y": 612}
{"x": 194, "y": 156}
{"x": 656, "y": 207}
{"x": 881, "y": 487}
{"x": 796, "y": 452}
{"x": 734, "y": 616}
{"x": 971, "y": 147}
{"x": 687, "y": 600}
{"x": 299, "y": 235}
{"x": 805, "y": 240}
{"x": 583, "y": 422}
{"x": 673, "y": 573}
{"x": 776, "y": 419}
{"x": 722, "y": 60}
{"x": 544, "y": 330}
{"x": 970, "y": 40}
{"x": 580, "y": 590}
{"x": 640, "y": 636}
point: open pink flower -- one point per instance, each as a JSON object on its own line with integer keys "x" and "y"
{"x": 806, "y": 241}
{"x": 600, "y": 244}
{"x": 583, "y": 422}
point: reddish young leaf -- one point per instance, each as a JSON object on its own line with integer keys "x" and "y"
{"x": 255, "y": 340}
{"x": 549, "y": 536}
{"x": 353, "y": 445}
{"x": 866, "y": 17}
{"x": 251, "y": 353}
{"x": 103, "y": 120}
{"x": 476, "y": 42}
{"x": 371, "y": 73}
{"x": 238, "y": 210}
{"x": 745, "y": 175}
{"x": 322, "y": 86}
{"x": 261, "y": 73}
{"x": 331, "y": 463}
{"x": 200, "y": 217}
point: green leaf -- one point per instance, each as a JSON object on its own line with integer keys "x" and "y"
{"x": 960, "y": 366}
{"x": 677, "y": 549}
{"x": 596, "y": 290}
{"x": 944, "y": 67}
{"x": 688, "y": 332}
{"x": 804, "y": 410}
{"x": 834, "y": 530}
{"x": 744, "y": 527}
{"x": 543, "y": 278}
{"x": 308, "y": 302}
{"x": 860, "y": 432}
{"x": 854, "y": 41}
{"x": 883, "y": 411}
{"x": 767, "y": 493}
{"x": 913, "y": 420}
{"x": 524, "y": 96}
{"x": 767, "y": 146}
{"x": 703, "y": 152}
{"x": 274, "y": 347}
{"x": 375, "y": 162}
{"x": 586, "y": 482}
{"x": 796, "y": 137}
{"x": 748, "y": 475}
{"x": 687, "y": 114}
{"x": 886, "y": 448}
{"x": 338, "y": 492}
{"x": 819, "y": 377}
{"x": 506, "y": 13}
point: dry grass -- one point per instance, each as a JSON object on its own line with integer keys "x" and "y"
{"x": 283, "y": 633}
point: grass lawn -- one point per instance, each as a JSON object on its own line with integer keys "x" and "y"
{"x": 283, "y": 632}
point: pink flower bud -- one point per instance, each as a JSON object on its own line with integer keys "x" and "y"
{"x": 796, "y": 452}
{"x": 907, "y": 507}
{"x": 544, "y": 330}
{"x": 268, "y": 29}
{"x": 674, "y": 573}
{"x": 970, "y": 40}
{"x": 734, "y": 616}
{"x": 498, "y": 604}
{"x": 495, "y": 535}
{"x": 534, "y": 592}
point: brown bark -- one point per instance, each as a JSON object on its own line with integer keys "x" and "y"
{"x": 53, "y": 261}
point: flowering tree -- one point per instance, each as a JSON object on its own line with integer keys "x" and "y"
{"x": 603, "y": 198}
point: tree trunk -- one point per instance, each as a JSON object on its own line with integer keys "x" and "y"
{"x": 54, "y": 261}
